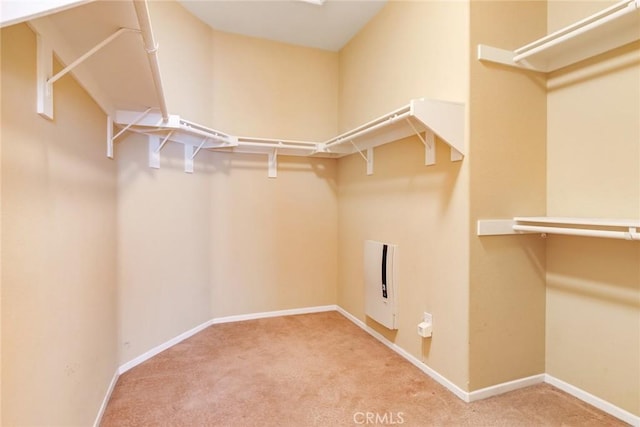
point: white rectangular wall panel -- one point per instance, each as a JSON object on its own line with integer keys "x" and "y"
{"x": 380, "y": 272}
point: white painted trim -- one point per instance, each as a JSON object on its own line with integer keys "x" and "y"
{"x": 409, "y": 357}
{"x": 106, "y": 399}
{"x": 162, "y": 347}
{"x": 466, "y": 396}
{"x": 266, "y": 314}
{"x": 497, "y": 389}
{"x": 592, "y": 400}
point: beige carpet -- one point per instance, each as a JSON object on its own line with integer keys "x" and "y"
{"x": 313, "y": 370}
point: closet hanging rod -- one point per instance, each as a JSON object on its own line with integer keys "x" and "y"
{"x": 631, "y": 234}
{"x": 596, "y": 20}
{"x": 275, "y": 145}
{"x": 151, "y": 47}
{"x": 368, "y": 128}
{"x": 624, "y": 229}
{"x": 270, "y": 140}
{"x": 370, "y": 123}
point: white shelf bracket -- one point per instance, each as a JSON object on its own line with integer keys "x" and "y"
{"x": 164, "y": 141}
{"x": 109, "y": 137}
{"x": 154, "y": 153}
{"x": 495, "y": 227}
{"x": 368, "y": 158}
{"x": 273, "y": 164}
{"x": 456, "y": 156}
{"x": 370, "y": 161}
{"x": 193, "y": 156}
{"x": 429, "y": 142}
{"x": 44, "y": 105}
{"x": 133, "y": 123}
{"x": 429, "y": 148}
{"x": 188, "y": 158}
{"x": 45, "y": 69}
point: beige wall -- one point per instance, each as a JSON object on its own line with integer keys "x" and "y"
{"x": 507, "y": 158}
{"x": 273, "y": 241}
{"x": 422, "y": 209}
{"x": 1, "y": 238}
{"x": 58, "y": 239}
{"x": 244, "y": 85}
{"x": 163, "y": 247}
{"x": 399, "y": 55}
{"x": 273, "y": 90}
{"x": 185, "y": 56}
{"x": 227, "y": 240}
{"x": 593, "y": 285}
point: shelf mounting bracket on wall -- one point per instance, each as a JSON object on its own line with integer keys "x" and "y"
{"x": 368, "y": 158}
{"x": 429, "y": 141}
{"x": 45, "y": 80}
{"x": 273, "y": 164}
{"x": 154, "y": 153}
{"x": 188, "y": 158}
{"x": 155, "y": 145}
{"x": 435, "y": 118}
{"x": 197, "y": 150}
{"x": 112, "y": 138}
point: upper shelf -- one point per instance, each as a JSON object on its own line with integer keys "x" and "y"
{"x": 433, "y": 117}
{"x": 603, "y": 31}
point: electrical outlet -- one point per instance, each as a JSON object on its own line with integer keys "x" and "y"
{"x": 427, "y": 317}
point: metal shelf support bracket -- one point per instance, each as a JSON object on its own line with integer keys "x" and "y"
{"x": 273, "y": 164}
{"x": 44, "y": 105}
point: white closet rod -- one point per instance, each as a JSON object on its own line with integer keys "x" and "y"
{"x": 275, "y": 145}
{"x": 572, "y": 31}
{"x": 369, "y": 127}
{"x": 282, "y": 143}
{"x": 150, "y": 45}
{"x": 632, "y": 234}
{"x": 206, "y": 132}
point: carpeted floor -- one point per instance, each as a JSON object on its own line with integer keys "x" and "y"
{"x": 314, "y": 370}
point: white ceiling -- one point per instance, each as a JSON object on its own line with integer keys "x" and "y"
{"x": 329, "y": 26}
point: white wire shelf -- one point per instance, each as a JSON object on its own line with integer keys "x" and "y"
{"x": 420, "y": 117}
{"x": 608, "y": 29}
{"x": 610, "y": 228}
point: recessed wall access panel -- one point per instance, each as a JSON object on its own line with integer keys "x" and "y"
{"x": 380, "y": 268}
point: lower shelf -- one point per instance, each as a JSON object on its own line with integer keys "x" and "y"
{"x": 626, "y": 229}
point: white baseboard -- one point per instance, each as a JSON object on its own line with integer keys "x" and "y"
{"x": 217, "y": 320}
{"x": 157, "y": 349}
{"x": 266, "y": 314}
{"x": 592, "y": 400}
{"x": 409, "y": 357}
{"x": 105, "y": 401}
{"x": 497, "y": 389}
{"x": 462, "y": 394}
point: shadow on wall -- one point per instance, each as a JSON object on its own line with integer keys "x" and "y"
{"x": 607, "y": 63}
{"x": 388, "y": 334}
{"x": 135, "y": 161}
{"x": 400, "y": 171}
{"x": 528, "y": 243}
{"x": 596, "y": 269}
